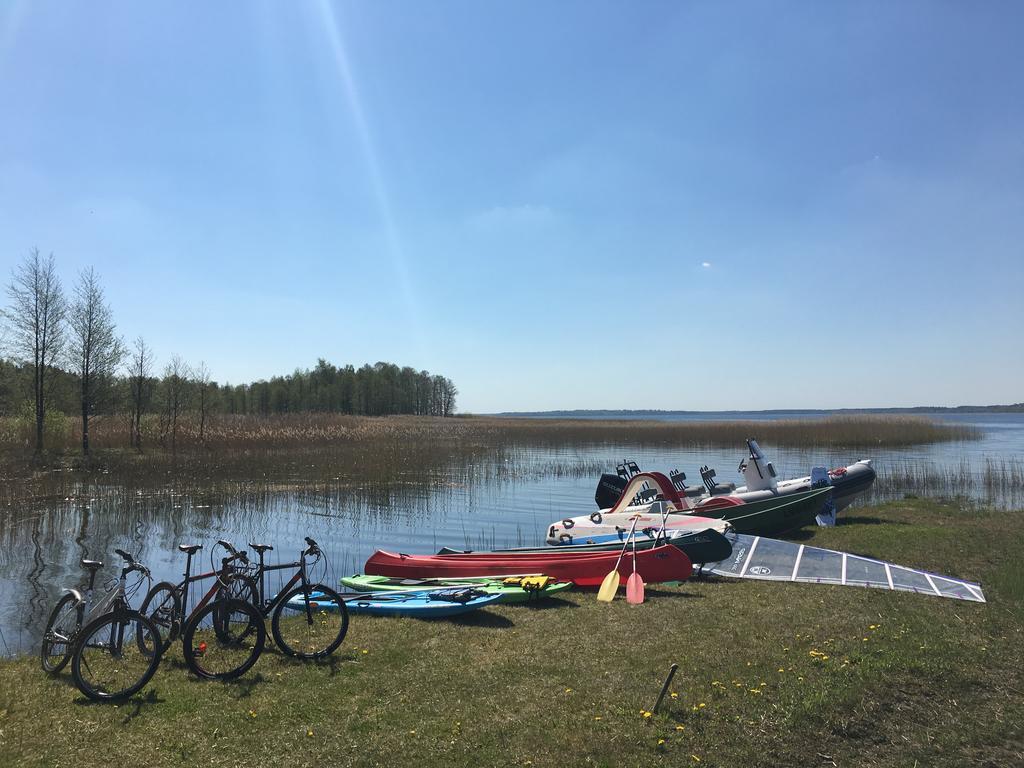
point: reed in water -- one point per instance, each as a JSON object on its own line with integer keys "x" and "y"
{"x": 248, "y": 432}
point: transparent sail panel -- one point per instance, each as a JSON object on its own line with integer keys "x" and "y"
{"x": 755, "y": 557}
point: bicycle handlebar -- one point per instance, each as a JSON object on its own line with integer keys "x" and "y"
{"x": 314, "y": 548}
{"x": 128, "y": 558}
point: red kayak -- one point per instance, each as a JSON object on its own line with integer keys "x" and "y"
{"x": 664, "y": 563}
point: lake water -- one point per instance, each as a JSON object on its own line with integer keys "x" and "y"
{"x": 504, "y": 498}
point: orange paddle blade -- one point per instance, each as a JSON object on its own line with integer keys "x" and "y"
{"x": 635, "y": 589}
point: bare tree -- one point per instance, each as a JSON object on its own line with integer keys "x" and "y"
{"x": 140, "y": 383}
{"x": 175, "y": 391}
{"x": 448, "y": 393}
{"x": 95, "y": 350}
{"x": 36, "y": 315}
{"x": 204, "y": 393}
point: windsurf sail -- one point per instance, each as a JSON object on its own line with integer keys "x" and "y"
{"x": 757, "y": 557}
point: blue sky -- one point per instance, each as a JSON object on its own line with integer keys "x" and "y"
{"x": 559, "y": 205}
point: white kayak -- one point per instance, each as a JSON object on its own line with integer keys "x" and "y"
{"x": 603, "y": 527}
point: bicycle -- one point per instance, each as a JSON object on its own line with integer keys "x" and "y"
{"x": 222, "y": 636}
{"x": 109, "y": 661}
{"x": 318, "y": 620}
{"x": 67, "y": 618}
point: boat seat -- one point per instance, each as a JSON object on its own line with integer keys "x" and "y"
{"x": 261, "y": 548}
{"x": 190, "y": 549}
{"x": 92, "y": 565}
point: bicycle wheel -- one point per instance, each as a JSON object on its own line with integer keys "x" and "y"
{"x": 163, "y": 607}
{"x": 108, "y": 663}
{"x": 240, "y": 586}
{"x": 59, "y": 637}
{"x": 224, "y": 639}
{"x": 310, "y": 622}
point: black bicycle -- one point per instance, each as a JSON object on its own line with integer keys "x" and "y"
{"x": 308, "y": 620}
{"x": 118, "y": 651}
{"x": 223, "y": 635}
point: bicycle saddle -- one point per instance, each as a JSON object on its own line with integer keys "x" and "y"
{"x": 261, "y": 548}
{"x": 190, "y": 549}
{"x": 92, "y": 565}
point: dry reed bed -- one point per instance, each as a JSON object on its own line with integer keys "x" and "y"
{"x": 309, "y": 430}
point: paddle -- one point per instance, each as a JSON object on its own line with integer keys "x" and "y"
{"x": 664, "y": 519}
{"x": 634, "y": 584}
{"x": 610, "y": 585}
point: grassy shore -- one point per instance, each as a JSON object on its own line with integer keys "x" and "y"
{"x": 770, "y": 674}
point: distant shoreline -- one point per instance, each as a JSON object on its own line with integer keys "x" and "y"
{"x": 648, "y": 412}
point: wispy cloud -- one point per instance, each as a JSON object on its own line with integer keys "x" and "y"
{"x": 706, "y": 264}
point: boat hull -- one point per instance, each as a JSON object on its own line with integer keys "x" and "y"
{"x": 768, "y": 516}
{"x": 659, "y": 564}
{"x": 702, "y": 546}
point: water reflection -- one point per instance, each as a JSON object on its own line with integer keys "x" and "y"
{"x": 407, "y": 499}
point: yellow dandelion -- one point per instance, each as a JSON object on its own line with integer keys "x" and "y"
{"x": 366, "y": 650}
{"x": 873, "y": 626}
{"x": 252, "y": 713}
{"x": 696, "y": 759}
{"x": 568, "y": 690}
{"x": 309, "y": 733}
{"x": 646, "y": 715}
{"x": 660, "y": 742}
{"x": 781, "y": 669}
{"x": 701, "y": 705}
{"x": 597, "y": 717}
{"x": 412, "y": 733}
{"x": 763, "y": 684}
{"x": 680, "y": 728}
{"x": 864, "y": 639}
{"x": 674, "y": 695}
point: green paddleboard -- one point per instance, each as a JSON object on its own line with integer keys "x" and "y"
{"x": 510, "y": 593}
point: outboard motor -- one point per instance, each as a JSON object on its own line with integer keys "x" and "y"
{"x": 820, "y": 478}
{"x": 757, "y": 470}
{"x": 610, "y": 487}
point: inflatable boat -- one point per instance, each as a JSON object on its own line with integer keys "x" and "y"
{"x": 761, "y": 483}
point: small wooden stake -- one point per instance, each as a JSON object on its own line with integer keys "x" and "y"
{"x": 664, "y": 688}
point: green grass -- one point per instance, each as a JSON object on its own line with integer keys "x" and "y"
{"x": 769, "y": 674}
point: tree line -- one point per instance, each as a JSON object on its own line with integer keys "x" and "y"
{"x": 62, "y": 353}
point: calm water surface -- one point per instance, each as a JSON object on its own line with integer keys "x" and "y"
{"x": 501, "y": 499}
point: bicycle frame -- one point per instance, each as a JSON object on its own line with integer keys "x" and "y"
{"x": 118, "y": 603}
{"x": 214, "y": 589}
{"x": 265, "y": 606}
